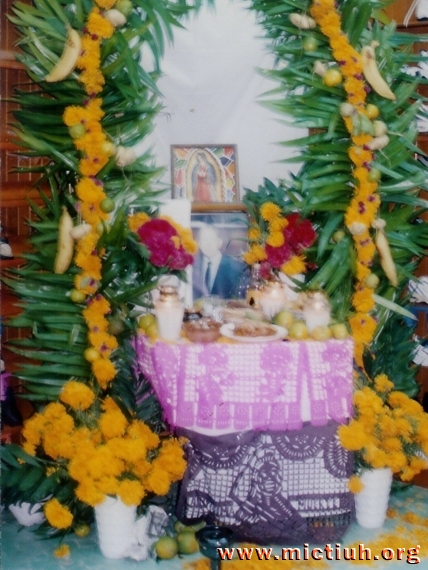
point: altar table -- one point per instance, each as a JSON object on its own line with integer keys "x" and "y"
{"x": 261, "y": 420}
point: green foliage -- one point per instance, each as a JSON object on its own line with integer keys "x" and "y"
{"x": 323, "y": 187}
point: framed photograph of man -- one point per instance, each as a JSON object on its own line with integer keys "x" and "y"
{"x": 205, "y": 173}
{"x": 218, "y": 268}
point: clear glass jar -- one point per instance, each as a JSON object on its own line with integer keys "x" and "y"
{"x": 169, "y": 311}
{"x": 255, "y": 287}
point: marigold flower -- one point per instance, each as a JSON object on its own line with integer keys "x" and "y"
{"x": 355, "y": 485}
{"x": 62, "y": 551}
{"x": 77, "y": 395}
{"x": 57, "y": 514}
{"x": 269, "y": 211}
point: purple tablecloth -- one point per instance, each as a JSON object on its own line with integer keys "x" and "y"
{"x": 226, "y": 387}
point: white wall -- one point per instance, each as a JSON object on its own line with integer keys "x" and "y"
{"x": 210, "y": 87}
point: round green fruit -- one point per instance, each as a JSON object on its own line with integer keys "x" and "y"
{"x": 340, "y": 331}
{"x": 321, "y": 333}
{"x": 332, "y": 77}
{"x": 166, "y": 547}
{"x": 374, "y": 174}
{"x": 284, "y": 319}
{"x": 143, "y": 322}
{"x": 116, "y": 326}
{"x": 107, "y": 205}
{"x": 108, "y": 148}
{"x": 82, "y": 530}
{"x": 371, "y": 281}
{"x": 77, "y": 131}
{"x": 310, "y": 43}
{"x": 338, "y": 236}
{"x": 298, "y": 331}
{"x": 372, "y": 111}
{"x": 91, "y": 355}
{"x": 124, "y": 6}
{"x": 187, "y": 543}
{"x": 77, "y": 296}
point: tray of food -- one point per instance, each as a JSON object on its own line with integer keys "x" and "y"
{"x": 253, "y": 331}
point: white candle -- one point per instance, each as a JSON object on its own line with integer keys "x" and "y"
{"x": 169, "y": 311}
{"x": 317, "y": 311}
{"x": 272, "y": 299}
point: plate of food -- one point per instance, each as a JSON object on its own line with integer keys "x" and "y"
{"x": 253, "y": 331}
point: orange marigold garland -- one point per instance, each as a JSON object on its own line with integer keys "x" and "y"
{"x": 89, "y": 138}
{"x": 364, "y": 206}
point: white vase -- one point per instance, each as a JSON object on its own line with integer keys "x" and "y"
{"x": 115, "y": 526}
{"x": 371, "y": 503}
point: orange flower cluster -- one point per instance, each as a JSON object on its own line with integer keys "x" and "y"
{"x": 105, "y": 454}
{"x": 89, "y": 138}
{"x": 364, "y": 206}
{"x": 388, "y": 429}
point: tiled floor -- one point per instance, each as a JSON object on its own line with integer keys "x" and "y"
{"x": 21, "y": 550}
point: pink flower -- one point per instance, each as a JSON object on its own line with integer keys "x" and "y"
{"x": 157, "y": 236}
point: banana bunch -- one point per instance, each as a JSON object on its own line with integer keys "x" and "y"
{"x": 372, "y": 74}
{"x": 67, "y": 62}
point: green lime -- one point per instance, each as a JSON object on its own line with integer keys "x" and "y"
{"x": 187, "y": 543}
{"x": 124, "y": 6}
{"x": 91, "y": 355}
{"x": 166, "y": 547}
{"x": 77, "y": 296}
{"x": 82, "y": 530}
{"x": 107, "y": 205}
{"x": 145, "y": 320}
{"x": 77, "y": 131}
{"x": 116, "y": 326}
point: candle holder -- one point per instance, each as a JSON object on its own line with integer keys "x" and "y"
{"x": 211, "y": 538}
{"x": 169, "y": 311}
{"x": 272, "y": 298}
{"x": 316, "y": 310}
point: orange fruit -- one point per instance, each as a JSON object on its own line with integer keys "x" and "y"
{"x": 166, "y": 547}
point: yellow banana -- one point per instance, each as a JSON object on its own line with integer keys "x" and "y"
{"x": 372, "y": 74}
{"x": 382, "y": 245}
{"x": 67, "y": 62}
{"x": 302, "y": 21}
{"x": 65, "y": 247}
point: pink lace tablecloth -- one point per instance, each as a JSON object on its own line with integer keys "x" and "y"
{"x": 225, "y": 387}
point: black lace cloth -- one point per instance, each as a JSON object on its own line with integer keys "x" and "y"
{"x": 269, "y": 487}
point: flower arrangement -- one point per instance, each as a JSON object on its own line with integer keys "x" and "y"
{"x": 169, "y": 245}
{"x": 388, "y": 429}
{"x": 92, "y": 445}
{"x": 276, "y": 240}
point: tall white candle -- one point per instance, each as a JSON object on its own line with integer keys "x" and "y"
{"x": 178, "y": 210}
{"x": 272, "y": 298}
{"x": 317, "y": 311}
{"x": 169, "y": 311}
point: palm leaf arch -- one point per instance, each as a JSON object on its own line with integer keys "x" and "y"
{"x": 322, "y": 188}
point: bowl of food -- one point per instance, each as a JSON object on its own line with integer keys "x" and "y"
{"x": 203, "y": 330}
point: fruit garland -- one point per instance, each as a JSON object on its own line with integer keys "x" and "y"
{"x": 85, "y": 127}
{"x": 361, "y": 214}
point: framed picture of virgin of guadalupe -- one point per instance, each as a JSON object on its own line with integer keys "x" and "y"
{"x": 205, "y": 174}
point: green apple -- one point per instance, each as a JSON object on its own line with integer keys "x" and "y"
{"x": 298, "y": 331}
{"x": 124, "y": 6}
{"x": 371, "y": 281}
{"x": 284, "y": 319}
{"x": 323, "y": 332}
{"x": 340, "y": 331}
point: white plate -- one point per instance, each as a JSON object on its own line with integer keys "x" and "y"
{"x": 227, "y": 330}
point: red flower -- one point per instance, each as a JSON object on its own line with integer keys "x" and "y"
{"x": 299, "y": 234}
{"x": 277, "y": 256}
{"x": 157, "y": 236}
